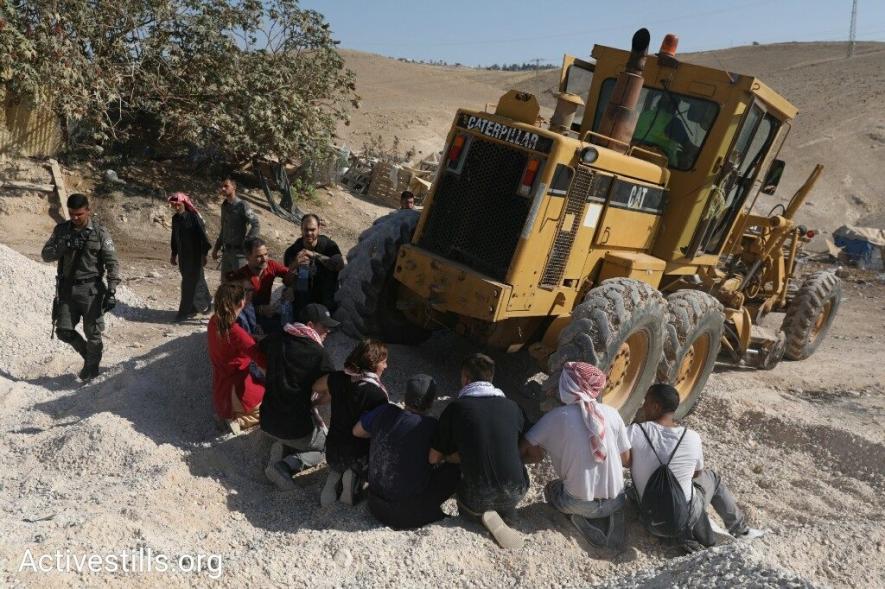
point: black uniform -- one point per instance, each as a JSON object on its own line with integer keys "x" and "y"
{"x": 85, "y": 256}
{"x": 190, "y": 244}
{"x": 322, "y": 282}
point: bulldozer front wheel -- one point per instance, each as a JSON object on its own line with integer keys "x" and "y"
{"x": 619, "y": 329}
{"x": 367, "y": 295}
{"x": 810, "y": 314}
{"x": 693, "y": 337}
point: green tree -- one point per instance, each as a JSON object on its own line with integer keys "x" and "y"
{"x": 243, "y": 78}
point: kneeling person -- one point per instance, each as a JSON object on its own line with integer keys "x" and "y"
{"x": 586, "y": 441}
{"x": 405, "y": 491}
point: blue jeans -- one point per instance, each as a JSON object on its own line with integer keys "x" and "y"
{"x": 558, "y": 497}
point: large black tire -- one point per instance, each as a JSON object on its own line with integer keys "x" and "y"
{"x": 693, "y": 337}
{"x": 810, "y": 314}
{"x": 367, "y": 294}
{"x": 620, "y": 313}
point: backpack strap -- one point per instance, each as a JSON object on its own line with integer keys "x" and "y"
{"x": 655, "y": 452}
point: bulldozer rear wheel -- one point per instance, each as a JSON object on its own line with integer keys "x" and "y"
{"x": 693, "y": 337}
{"x": 810, "y": 314}
{"x": 366, "y": 298}
{"x": 619, "y": 329}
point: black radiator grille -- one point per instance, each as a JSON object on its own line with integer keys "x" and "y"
{"x": 581, "y": 189}
{"x": 476, "y": 216}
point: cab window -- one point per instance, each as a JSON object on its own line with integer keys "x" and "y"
{"x": 673, "y": 124}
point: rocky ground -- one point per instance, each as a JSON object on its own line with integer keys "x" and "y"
{"x": 134, "y": 462}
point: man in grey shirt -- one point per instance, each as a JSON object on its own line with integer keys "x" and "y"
{"x": 236, "y": 215}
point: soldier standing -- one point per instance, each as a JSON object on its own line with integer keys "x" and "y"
{"x": 85, "y": 254}
{"x": 236, "y": 214}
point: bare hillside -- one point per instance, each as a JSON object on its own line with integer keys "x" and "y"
{"x": 841, "y": 122}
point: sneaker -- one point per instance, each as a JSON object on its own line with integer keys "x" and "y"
{"x": 234, "y": 426}
{"x": 348, "y": 482}
{"x": 504, "y": 535}
{"x": 589, "y": 530}
{"x": 280, "y": 475}
{"x": 330, "y": 490}
{"x": 750, "y": 534}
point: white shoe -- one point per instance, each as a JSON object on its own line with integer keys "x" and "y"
{"x": 503, "y": 534}
{"x": 330, "y": 490}
{"x": 752, "y": 534}
{"x": 234, "y": 427}
{"x": 347, "y": 483}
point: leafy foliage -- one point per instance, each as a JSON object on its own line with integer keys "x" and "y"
{"x": 239, "y": 78}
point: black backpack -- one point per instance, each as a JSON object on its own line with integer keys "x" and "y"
{"x": 664, "y": 509}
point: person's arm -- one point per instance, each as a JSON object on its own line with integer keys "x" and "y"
{"x": 173, "y": 243}
{"x": 107, "y": 256}
{"x": 529, "y": 452}
{"x": 217, "y": 247}
{"x": 55, "y": 247}
{"x": 442, "y": 446}
{"x": 623, "y": 440}
{"x": 627, "y": 458}
{"x": 252, "y": 220}
{"x": 332, "y": 259}
{"x": 435, "y": 457}
{"x": 360, "y": 432}
{"x": 321, "y": 395}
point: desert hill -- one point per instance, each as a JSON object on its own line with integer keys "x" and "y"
{"x": 841, "y": 122}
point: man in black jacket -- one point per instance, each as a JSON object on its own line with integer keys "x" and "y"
{"x": 316, "y": 261}
{"x": 296, "y": 359}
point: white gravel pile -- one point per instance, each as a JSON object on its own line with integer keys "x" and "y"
{"x": 26, "y": 298}
{"x": 733, "y": 565}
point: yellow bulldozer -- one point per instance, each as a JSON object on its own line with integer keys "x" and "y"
{"x": 621, "y": 233}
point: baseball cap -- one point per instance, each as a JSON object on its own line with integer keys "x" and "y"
{"x": 319, "y": 314}
{"x": 420, "y": 392}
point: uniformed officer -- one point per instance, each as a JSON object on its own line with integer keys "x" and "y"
{"x": 85, "y": 254}
{"x": 236, "y": 214}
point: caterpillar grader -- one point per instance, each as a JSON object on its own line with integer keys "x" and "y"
{"x": 621, "y": 233}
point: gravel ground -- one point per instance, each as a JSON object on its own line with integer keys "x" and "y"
{"x": 133, "y": 462}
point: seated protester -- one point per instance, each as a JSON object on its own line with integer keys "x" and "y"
{"x": 247, "y": 320}
{"x": 296, "y": 359}
{"x": 586, "y": 441}
{"x": 261, "y": 271}
{"x": 660, "y": 442}
{"x": 315, "y": 261}
{"x": 352, "y": 392}
{"x": 481, "y": 430}
{"x": 236, "y": 395}
{"x": 405, "y": 491}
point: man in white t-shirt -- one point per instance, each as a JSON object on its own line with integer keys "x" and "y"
{"x": 702, "y": 486}
{"x": 585, "y": 440}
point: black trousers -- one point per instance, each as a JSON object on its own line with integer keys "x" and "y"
{"x": 422, "y": 509}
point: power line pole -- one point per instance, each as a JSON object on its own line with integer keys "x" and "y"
{"x": 852, "y": 33}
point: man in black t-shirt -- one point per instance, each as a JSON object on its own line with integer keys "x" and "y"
{"x": 481, "y": 430}
{"x": 405, "y": 491}
{"x": 316, "y": 261}
{"x": 296, "y": 359}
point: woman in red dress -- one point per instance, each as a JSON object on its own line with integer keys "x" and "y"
{"x": 236, "y": 394}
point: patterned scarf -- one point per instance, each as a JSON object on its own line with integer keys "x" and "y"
{"x": 580, "y": 383}
{"x": 366, "y": 376}
{"x": 302, "y": 330}
{"x": 480, "y": 388}
{"x": 181, "y": 198}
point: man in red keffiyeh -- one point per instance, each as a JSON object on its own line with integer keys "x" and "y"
{"x": 586, "y": 441}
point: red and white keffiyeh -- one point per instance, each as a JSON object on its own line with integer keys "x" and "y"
{"x": 302, "y": 330}
{"x": 581, "y": 383}
{"x": 183, "y": 199}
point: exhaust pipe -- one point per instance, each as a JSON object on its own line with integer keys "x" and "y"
{"x": 619, "y": 118}
{"x": 566, "y": 106}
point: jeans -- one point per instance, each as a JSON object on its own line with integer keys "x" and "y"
{"x": 558, "y": 497}
{"x": 307, "y": 450}
{"x": 422, "y": 509}
{"x": 710, "y": 490}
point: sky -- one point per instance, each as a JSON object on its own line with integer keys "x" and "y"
{"x": 484, "y": 32}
